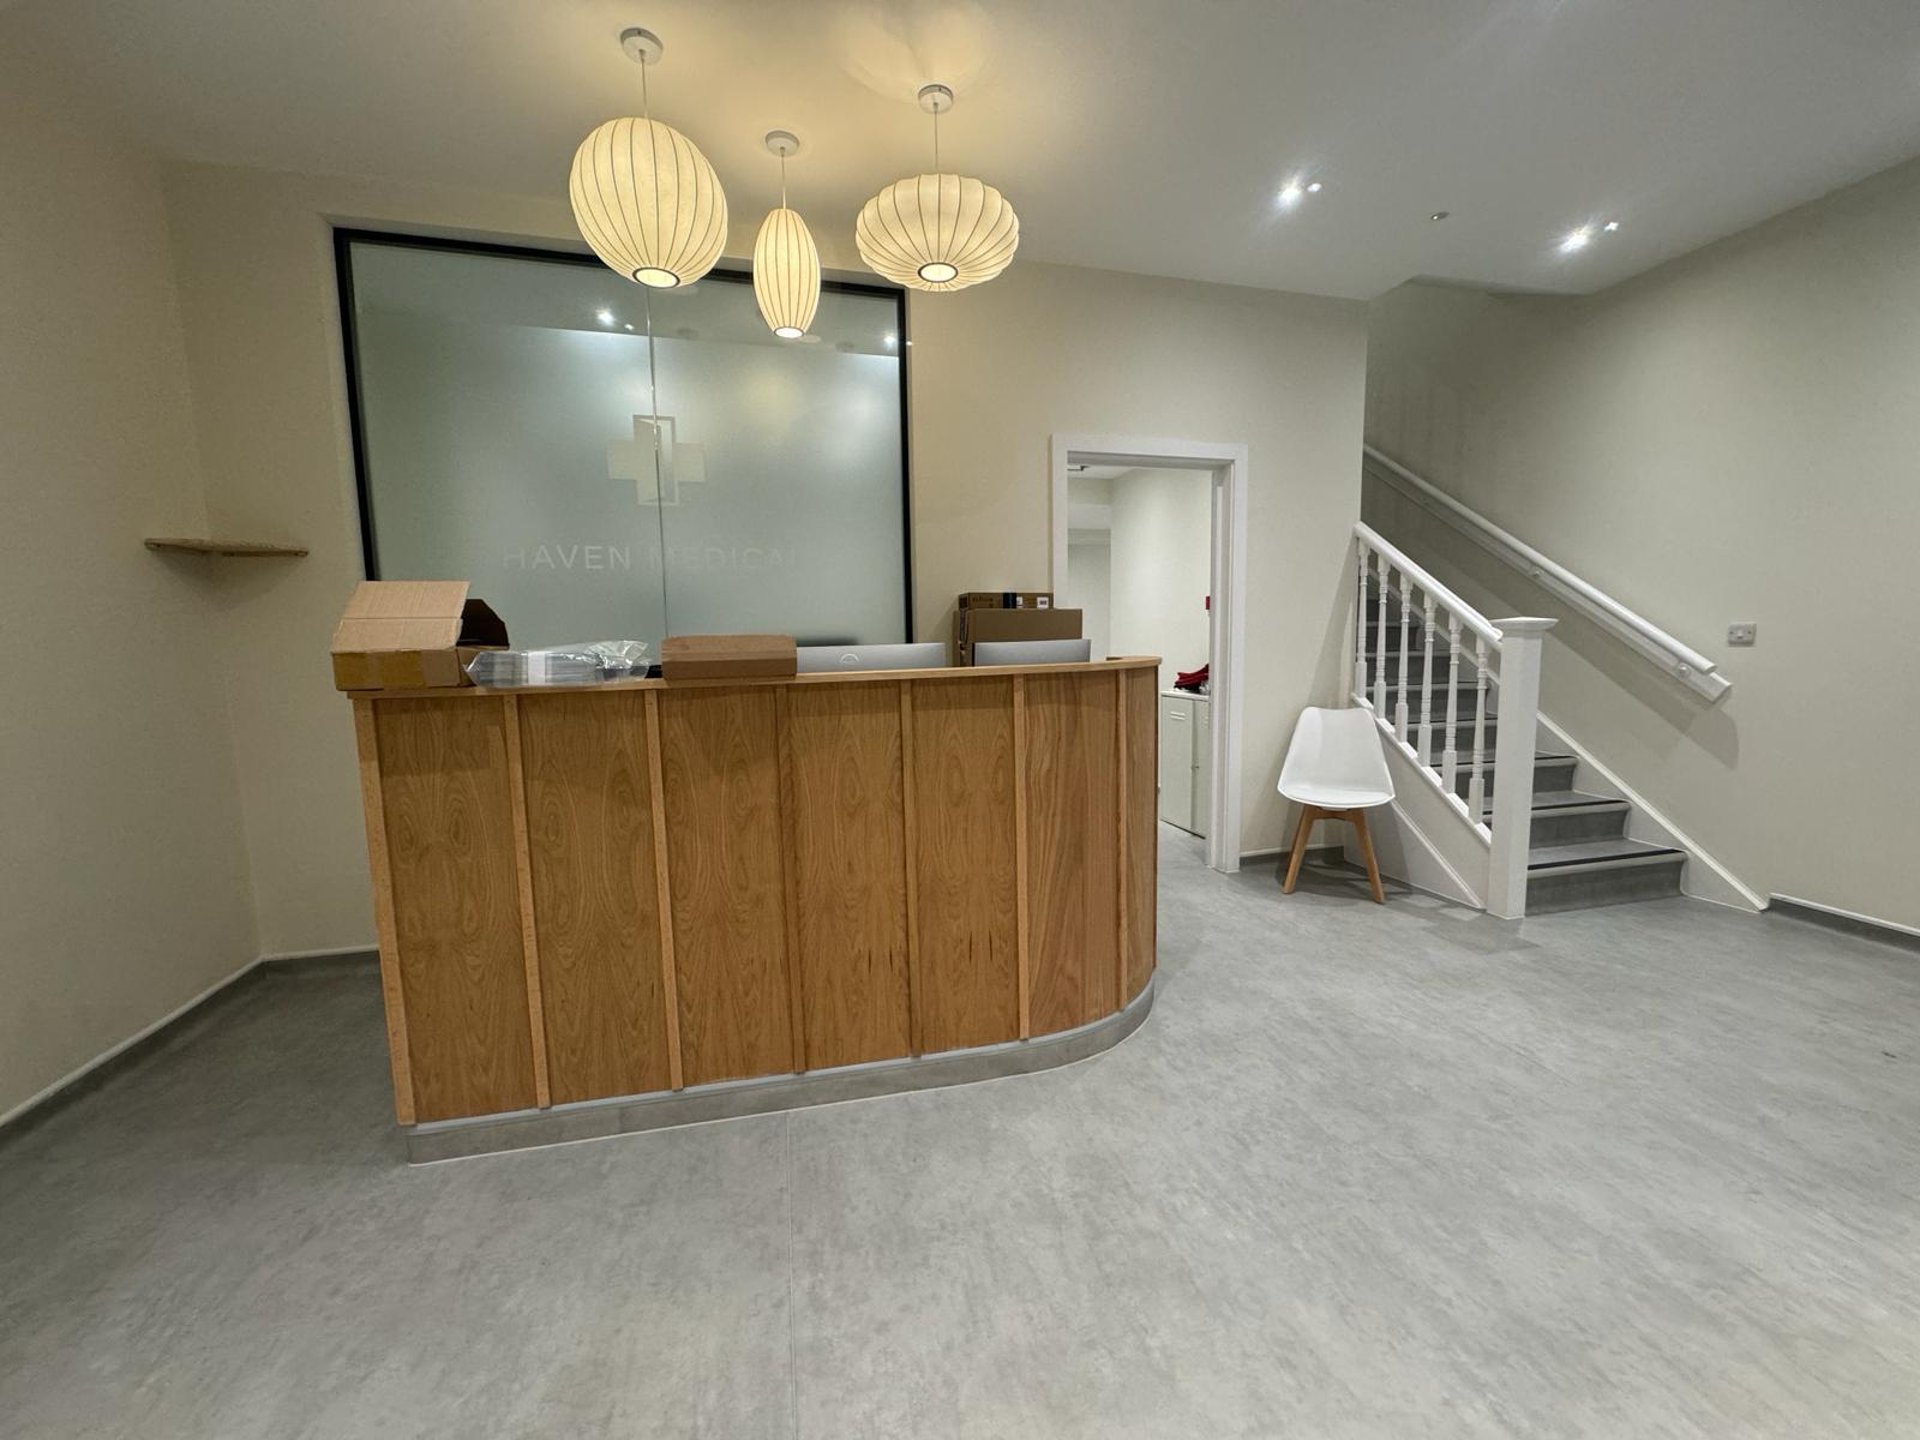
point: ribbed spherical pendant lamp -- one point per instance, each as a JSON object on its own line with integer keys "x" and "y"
{"x": 644, "y": 196}
{"x": 786, "y": 262}
{"x": 938, "y": 231}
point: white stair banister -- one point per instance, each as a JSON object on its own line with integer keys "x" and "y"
{"x": 1520, "y": 642}
{"x": 1502, "y": 653}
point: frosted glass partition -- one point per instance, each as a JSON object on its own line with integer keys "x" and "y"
{"x": 608, "y": 462}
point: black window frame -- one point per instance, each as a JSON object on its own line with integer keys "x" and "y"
{"x": 346, "y": 237}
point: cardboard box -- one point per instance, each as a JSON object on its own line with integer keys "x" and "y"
{"x": 973, "y": 626}
{"x": 1006, "y": 600}
{"x": 411, "y": 635}
{"x": 726, "y": 657}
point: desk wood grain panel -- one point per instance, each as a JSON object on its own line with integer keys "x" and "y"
{"x": 392, "y": 994}
{"x": 449, "y": 830}
{"x": 523, "y": 876}
{"x": 596, "y": 906}
{"x": 1141, "y": 826}
{"x": 848, "y": 858}
{"x": 910, "y": 833}
{"x": 1072, "y": 858}
{"x": 721, "y": 766}
{"x": 964, "y": 863}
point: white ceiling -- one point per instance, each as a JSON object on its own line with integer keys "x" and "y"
{"x": 1145, "y": 135}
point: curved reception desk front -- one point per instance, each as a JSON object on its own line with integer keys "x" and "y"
{"x": 650, "y": 902}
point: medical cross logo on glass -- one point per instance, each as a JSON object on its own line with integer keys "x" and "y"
{"x": 681, "y": 462}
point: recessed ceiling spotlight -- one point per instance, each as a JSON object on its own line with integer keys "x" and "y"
{"x": 605, "y": 317}
{"x": 629, "y": 327}
{"x": 1576, "y": 240}
{"x": 1291, "y": 195}
{"x": 1611, "y": 226}
{"x": 1313, "y": 187}
{"x": 1439, "y": 215}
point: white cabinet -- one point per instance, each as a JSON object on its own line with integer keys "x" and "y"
{"x": 1186, "y": 760}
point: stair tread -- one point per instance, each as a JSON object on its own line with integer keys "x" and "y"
{"x": 1562, "y": 799}
{"x": 1589, "y": 852}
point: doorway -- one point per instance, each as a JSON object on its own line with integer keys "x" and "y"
{"x": 1148, "y": 542}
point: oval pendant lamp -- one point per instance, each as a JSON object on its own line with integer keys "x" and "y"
{"x": 644, "y": 196}
{"x": 786, "y": 262}
{"x": 938, "y": 231}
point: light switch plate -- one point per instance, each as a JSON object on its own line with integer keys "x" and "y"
{"x": 1742, "y": 633}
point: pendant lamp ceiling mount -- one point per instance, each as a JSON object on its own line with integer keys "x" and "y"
{"x": 936, "y": 99}
{"x": 783, "y": 143}
{"x": 642, "y": 46}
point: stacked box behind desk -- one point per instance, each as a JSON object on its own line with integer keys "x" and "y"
{"x": 970, "y": 626}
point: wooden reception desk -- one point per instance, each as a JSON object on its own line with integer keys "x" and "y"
{"x": 648, "y": 887}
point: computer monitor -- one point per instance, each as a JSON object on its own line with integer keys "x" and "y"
{"x": 929, "y": 655}
{"x": 1032, "y": 652}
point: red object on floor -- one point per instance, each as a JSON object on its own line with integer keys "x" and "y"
{"x": 1192, "y": 679}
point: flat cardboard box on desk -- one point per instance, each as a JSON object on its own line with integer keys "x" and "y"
{"x": 727, "y": 657}
{"x": 412, "y": 635}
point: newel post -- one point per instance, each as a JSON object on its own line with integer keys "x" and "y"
{"x": 1513, "y": 747}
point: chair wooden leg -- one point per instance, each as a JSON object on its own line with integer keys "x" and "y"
{"x": 1366, "y": 848}
{"x": 1308, "y": 814}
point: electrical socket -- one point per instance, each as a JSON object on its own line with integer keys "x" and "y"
{"x": 1742, "y": 633}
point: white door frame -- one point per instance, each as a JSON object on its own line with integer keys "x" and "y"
{"x": 1228, "y": 619}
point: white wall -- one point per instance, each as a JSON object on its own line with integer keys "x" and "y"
{"x": 1730, "y": 437}
{"x": 1090, "y": 591}
{"x": 123, "y": 881}
{"x": 1162, "y": 567}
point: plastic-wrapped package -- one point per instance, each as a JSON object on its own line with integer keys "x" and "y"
{"x": 587, "y": 664}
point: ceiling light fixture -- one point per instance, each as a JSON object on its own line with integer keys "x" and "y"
{"x": 937, "y": 231}
{"x": 1611, "y": 226}
{"x": 1439, "y": 215}
{"x": 643, "y": 195}
{"x": 786, "y": 262}
{"x": 1314, "y": 187}
{"x": 1576, "y": 240}
{"x": 605, "y": 317}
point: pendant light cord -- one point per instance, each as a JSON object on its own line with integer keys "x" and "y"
{"x": 783, "y": 180}
{"x": 936, "y": 139}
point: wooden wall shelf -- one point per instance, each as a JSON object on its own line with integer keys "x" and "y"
{"x": 253, "y": 548}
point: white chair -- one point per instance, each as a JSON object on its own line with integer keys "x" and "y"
{"x": 1335, "y": 770}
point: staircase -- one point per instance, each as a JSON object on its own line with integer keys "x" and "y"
{"x": 1428, "y": 666}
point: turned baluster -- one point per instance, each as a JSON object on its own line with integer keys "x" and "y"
{"x": 1406, "y": 648}
{"x": 1449, "y": 753}
{"x": 1426, "y": 684}
{"x": 1380, "y": 644}
{"x": 1476, "y": 775}
{"x": 1360, "y": 622}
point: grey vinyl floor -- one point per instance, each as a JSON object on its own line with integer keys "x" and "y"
{"x": 1639, "y": 1172}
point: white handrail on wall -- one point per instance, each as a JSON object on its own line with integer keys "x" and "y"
{"x": 1409, "y": 714}
{"x": 1631, "y": 628}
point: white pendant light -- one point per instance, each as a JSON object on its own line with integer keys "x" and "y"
{"x": 938, "y": 231}
{"x": 644, "y": 196}
{"x": 786, "y": 262}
